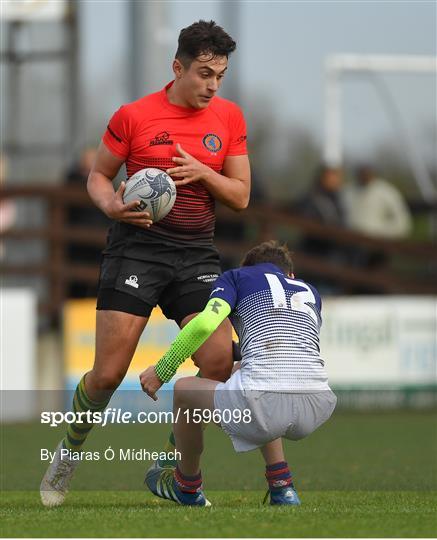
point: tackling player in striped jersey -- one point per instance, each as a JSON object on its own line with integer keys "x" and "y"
{"x": 281, "y": 383}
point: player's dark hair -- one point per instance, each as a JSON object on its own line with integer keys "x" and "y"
{"x": 270, "y": 252}
{"x": 203, "y": 37}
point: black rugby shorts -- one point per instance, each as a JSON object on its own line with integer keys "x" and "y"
{"x": 176, "y": 277}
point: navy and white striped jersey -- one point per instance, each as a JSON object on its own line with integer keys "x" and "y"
{"x": 278, "y": 321}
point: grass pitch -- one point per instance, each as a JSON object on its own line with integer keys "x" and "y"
{"x": 135, "y": 514}
{"x": 360, "y": 475}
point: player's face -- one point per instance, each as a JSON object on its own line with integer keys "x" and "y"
{"x": 201, "y": 80}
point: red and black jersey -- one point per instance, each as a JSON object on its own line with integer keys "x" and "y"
{"x": 144, "y": 133}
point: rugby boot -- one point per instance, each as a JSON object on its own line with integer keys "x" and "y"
{"x": 283, "y": 496}
{"x": 162, "y": 483}
{"x": 55, "y": 483}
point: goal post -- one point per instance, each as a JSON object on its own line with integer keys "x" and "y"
{"x": 340, "y": 64}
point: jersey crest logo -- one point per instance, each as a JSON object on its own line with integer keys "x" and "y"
{"x": 212, "y": 143}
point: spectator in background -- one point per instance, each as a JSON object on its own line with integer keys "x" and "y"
{"x": 8, "y": 211}
{"x": 78, "y": 173}
{"x": 83, "y": 216}
{"x": 325, "y": 204}
{"x": 376, "y": 208}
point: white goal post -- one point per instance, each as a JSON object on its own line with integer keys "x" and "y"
{"x": 339, "y": 64}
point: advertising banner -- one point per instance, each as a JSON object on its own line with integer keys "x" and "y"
{"x": 79, "y": 341}
{"x": 374, "y": 348}
{"x": 380, "y": 341}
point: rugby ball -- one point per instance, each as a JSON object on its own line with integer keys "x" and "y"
{"x": 154, "y": 189}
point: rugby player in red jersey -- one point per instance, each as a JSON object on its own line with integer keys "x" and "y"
{"x": 200, "y": 140}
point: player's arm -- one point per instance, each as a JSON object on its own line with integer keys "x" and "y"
{"x": 101, "y": 190}
{"x": 232, "y": 188}
{"x": 190, "y": 338}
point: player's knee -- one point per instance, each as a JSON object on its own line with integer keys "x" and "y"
{"x": 107, "y": 380}
{"x": 179, "y": 393}
{"x": 178, "y": 386}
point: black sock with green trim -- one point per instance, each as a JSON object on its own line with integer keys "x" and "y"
{"x": 77, "y": 432}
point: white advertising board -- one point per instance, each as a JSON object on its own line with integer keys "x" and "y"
{"x": 18, "y": 377}
{"x": 380, "y": 341}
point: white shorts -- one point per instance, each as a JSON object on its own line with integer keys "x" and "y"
{"x": 272, "y": 414}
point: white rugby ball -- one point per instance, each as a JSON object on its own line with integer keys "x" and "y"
{"x": 154, "y": 189}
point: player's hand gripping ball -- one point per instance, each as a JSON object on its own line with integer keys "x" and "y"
{"x": 154, "y": 189}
